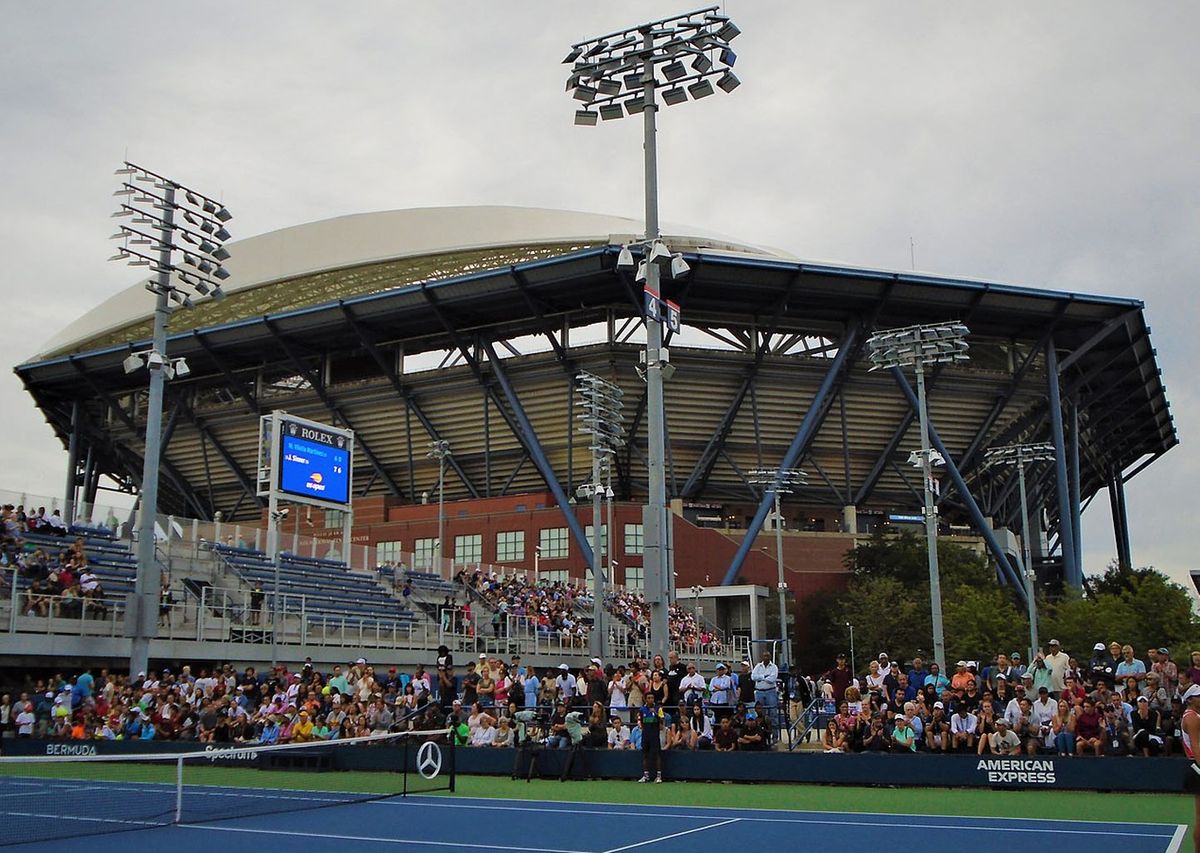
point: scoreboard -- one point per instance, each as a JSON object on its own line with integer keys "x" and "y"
{"x": 312, "y": 463}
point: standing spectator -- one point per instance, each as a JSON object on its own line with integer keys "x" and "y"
{"x": 766, "y": 677}
{"x": 674, "y": 677}
{"x": 936, "y": 680}
{"x": 1101, "y": 665}
{"x": 721, "y": 691}
{"x": 1058, "y": 662}
{"x": 840, "y": 677}
{"x": 1168, "y": 672}
{"x": 745, "y": 684}
{"x": 1130, "y": 667}
{"x": 692, "y": 686}
{"x": 917, "y": 674}
{"x": 1039, "y": 673}
{"x": 25, "y": 720}
{"x": 650, "y": 722}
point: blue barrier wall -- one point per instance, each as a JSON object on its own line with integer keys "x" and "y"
{"x": 1165, "y": 775}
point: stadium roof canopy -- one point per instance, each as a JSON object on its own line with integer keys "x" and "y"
{"x": 469, "y": 324}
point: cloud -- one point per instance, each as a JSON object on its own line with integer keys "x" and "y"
{"x": 1051, "y": 145}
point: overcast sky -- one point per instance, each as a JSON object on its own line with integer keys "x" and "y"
{"x": 1049, "y": 145}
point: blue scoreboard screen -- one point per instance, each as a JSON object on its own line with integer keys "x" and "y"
{"x": 311, "y": 467}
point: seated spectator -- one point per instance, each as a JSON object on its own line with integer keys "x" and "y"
{"x": 1002, "y": 741}
{"x": 1147, "y": 729}
{"x": 1088, "y": 729}
{"x": 963, "y": 726}
{"x": 903, "y": 736}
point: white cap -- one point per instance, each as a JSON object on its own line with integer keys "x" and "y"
{"x": 939, "y": 705}
{"x": 1099, "y": 647}
{"x": 563, "y": 667}
{"x": 1191, "y": 692}
{"x": 597, "y": 661}
{"x": 361, "y": 660}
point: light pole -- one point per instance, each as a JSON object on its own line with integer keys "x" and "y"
{"x": 853, "y": 669}
{"x": 615, "y": 75}
{"x": 781, "y": 481}
{"x": 150, "y": 203}
{"x": 1020, "y": 455}
{"x": 600, "y": 417}
{"x": 439, "y": 450}
{"x": 919, "y": 347}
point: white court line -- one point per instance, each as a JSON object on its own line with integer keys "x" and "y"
{"x": 820, "y": 822}
{"x": 787, "y": 811}
{"x": 1177, "y": 838}
{"x": 673, "y": 835}
{"x": 87, "y": 819}
{"x": 336, "y": 837}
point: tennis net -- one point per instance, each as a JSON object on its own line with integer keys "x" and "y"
{"x": 83, "y": 793}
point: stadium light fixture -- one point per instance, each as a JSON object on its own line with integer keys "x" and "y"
{"x": 625, "y": 259}
{"x": 1018, "y": 456}
{"x": 919, "y": 347}
{"x": 643, "y": 59}
{"x": 160, "y": 208}
{"x": 780, "y": 481}
{"x": 599, "y": 403}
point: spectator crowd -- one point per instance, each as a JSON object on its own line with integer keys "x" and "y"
{"x": 601, "y": 707}
{"x": 56, "y": 580}
{"x": 1113, "y": 704}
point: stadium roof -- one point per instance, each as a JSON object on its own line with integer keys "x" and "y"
{"x": 338, "y": 343}
{"x": 437, "y": 242}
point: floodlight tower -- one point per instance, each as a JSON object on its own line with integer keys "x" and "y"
{"x": 151, "y": 202}
{"x": 918, "y": 347}
{"x": 782, "y": 481}
{"x": 600, "y": 416}
{"x": 1020, "y": 455}
{"x": 619, "y": 74}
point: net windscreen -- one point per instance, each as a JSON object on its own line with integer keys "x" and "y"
{"x": 63, "y": 796}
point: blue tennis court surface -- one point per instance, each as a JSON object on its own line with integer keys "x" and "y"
{"x": 441, "y": 824}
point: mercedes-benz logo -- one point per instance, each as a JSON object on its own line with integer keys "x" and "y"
{"x": 429, "y": 760}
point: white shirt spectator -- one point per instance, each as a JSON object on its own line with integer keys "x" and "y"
{"x": 963, "y": 723}
{"x": 721, "y": 689}
{"x": 618, "y": 738}
{"x": 691, "y": 686}
{"x": 1043, "y": 712}
{"x": 566, "y": 686}
{"x": 25, "y": 721}
{"x": 617, "y": 694}
{"x": 88, "y": 581}
{"x": 765, "y": 675}
{"x": 483, "y": 736}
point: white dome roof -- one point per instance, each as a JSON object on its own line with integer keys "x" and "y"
{"x": 365, "y": 238}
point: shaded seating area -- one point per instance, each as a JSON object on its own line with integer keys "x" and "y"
{"x": 322, "y": 592}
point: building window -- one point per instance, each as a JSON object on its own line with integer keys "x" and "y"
{"x": 387, "y": 552}
{"x": 423, "y": 551}
{"x": 556, "y": 576}
{"x": 334, "y": 519}
{"x": 603, "y": 537}
{"x": 634, "y": 542}
{"x": 553, "y": 543}
{"x": 635, "y": 577}
{"x": 510, "y": 546}
{"x": 468, "y": 549}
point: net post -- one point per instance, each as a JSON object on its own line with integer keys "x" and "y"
{"x": 179, "y": 789}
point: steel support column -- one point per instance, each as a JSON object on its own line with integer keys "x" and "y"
{"x": 956, "y": 478}
{"x": 72, "y": 466}
{"x": 1116, "y": 490}
{"x": 1071, "y": 571}
{"x": 533, "y": 447}
{"x": 803, "y": 438}
{"x": 1076, "y": 512}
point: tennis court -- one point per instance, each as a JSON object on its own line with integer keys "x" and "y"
{"x": 448, "y": 824}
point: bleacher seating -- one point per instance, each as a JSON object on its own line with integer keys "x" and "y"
{"x": 108, "y": 557}
{"x": 325, "y": 591}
